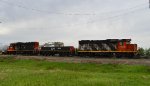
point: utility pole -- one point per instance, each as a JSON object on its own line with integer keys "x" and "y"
{"x": 149, "y": 4}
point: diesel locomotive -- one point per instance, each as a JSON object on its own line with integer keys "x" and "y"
{"x": 108, "y": 48}
{"x": 90, "y": 48}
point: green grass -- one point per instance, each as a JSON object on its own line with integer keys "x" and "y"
{"x": 42, "y": 73}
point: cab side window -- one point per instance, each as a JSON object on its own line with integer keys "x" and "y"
{"x": 121, "y": 43}
{"x": 128, "y": 42}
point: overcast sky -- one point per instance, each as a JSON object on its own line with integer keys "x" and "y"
{"x": 73, "y": 20}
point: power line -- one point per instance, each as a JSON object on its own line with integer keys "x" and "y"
{"x": 127, "y": 9}
{"x": 109, "y": 18}
{"x": 61, "y": 13}
{"x": 37, "y": 10}
{"x": 117, "y": 13}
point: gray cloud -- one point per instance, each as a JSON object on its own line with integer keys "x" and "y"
{"x": 73, "y": 20}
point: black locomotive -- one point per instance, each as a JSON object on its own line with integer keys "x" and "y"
{"x": 24, "y": 48}
{"x": 61, "y": 51}
{"x": 109, "y": 48}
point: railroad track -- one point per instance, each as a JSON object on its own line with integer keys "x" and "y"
{"x": 83, "y": 60}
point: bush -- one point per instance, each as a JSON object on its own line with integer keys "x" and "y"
{"x": 144, "y": 53}
{"x": 147, "y": 52}
{"x": 141, "y": 52}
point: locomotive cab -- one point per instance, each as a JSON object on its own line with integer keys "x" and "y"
{"x": 125, "y": 45}
{"x": 125, "y": 48}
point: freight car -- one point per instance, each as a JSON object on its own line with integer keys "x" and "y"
{"x": 107, "y": 48}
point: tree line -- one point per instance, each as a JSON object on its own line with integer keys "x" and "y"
{"x": 144, "y": 52}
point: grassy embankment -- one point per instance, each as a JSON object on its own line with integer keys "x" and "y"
{"x": 42, "y": 73}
